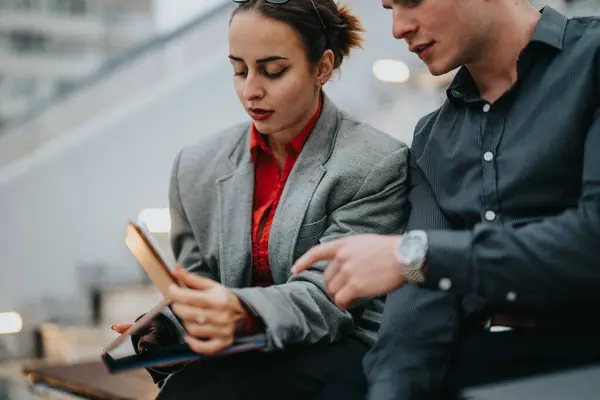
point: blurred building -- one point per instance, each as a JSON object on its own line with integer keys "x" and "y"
{"x": 48, "y": 46}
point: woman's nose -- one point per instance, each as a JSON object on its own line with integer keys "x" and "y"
{"x": 253, "y": 88}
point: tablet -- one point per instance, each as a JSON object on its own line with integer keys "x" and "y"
{"x": 150, "y": 257}
{"x": 147, "y": 252}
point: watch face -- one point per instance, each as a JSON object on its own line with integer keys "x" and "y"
{"x": 412, "y": 250}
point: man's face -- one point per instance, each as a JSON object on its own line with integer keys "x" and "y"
{"x": 444, "y": 34}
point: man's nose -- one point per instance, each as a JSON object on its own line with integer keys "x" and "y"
{"x": 403, "y": 27}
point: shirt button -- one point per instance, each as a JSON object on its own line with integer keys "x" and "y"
{"x": 511, "y": 296}
{"x": 490, "y": 215}
{"x": 486, "y": 108}
{"x": 445, "y": 284}
{"x": 488, "y": 156}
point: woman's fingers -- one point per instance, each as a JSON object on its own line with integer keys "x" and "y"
{"x": 199, "y": 315}
{"x": 120, "y": 328}
{"x": 209, "y": 331}
{"x": 193, "y": 297}
{"x": 193, "y": 281}
{"x": 208, "y": 347}
{"x": 204, "y": 323}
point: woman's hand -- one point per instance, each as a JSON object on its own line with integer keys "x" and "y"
{"x": 156, "y": 334}
{"x": 209, "y": 312}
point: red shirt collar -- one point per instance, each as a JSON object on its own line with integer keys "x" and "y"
{"x": 257, "y": 140}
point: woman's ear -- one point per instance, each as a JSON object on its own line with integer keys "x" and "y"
{"x": 325, "y": 68}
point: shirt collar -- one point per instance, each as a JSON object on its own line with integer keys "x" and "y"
{"x": 550, "y": 30}
{"x": 463, "y": 87}
{"x": 257, "y": 140}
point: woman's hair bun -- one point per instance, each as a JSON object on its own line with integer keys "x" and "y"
{"x": 336, "y": 27}
{"x": 347, "y": 34}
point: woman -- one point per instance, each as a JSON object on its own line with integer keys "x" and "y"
{"x": 249, "y": 201}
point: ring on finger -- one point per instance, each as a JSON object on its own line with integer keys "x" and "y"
{"x": 201, "y": 319}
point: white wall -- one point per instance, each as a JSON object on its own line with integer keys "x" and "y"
{"x": 66, "y": 206}
{"x": 170, "y": 14}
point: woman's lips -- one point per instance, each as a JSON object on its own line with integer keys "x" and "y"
{"x": 259, "y": 114}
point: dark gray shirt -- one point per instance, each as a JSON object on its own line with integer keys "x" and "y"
{"x": 509, "y": 194}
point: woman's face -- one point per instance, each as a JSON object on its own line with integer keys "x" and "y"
{"x": 272, "y": 76}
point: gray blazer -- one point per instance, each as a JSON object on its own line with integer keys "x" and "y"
{"x": 348, "y": 179}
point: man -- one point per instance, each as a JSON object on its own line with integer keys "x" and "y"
{"x": 498, "y": 275}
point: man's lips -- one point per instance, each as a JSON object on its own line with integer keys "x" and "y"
{"x": 420, "y": 48}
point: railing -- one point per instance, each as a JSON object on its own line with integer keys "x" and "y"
{"x": 28, "y": 93}
{"x": 118, "y": 80}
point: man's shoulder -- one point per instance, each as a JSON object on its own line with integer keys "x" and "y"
{"x": 426, "y": 122}
{"x": 583, "y": 31}
{"x": 426, "y": 126}
{"x": 591, "y": 23}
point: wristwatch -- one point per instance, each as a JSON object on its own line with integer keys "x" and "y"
{"x": 411, "y": 253}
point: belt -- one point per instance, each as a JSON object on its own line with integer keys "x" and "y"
{"x": 510, "y": 320}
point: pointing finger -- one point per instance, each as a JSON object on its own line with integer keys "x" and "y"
{"x": 322, "y": 252}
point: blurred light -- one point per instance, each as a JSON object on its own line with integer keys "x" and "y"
{"x": 392, "y": 71}
{"x": 10, "y": 322}
{"x": 157, "y": 220}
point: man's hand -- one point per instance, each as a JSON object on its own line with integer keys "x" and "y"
{"x": 209, "y": 311}
{"x": 361, "y": 266}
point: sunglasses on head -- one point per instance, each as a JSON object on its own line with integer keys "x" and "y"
{"x": 277, "y": 2}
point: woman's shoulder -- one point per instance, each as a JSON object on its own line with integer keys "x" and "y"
{"x": 358, "y": 140}
{"x": 214, "y": 149}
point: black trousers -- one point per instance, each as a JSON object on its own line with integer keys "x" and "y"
{"x": 320, "y": 372}
{"x": 485, "y": 357}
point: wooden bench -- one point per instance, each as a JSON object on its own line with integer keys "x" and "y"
{"x": 91, "y": 380}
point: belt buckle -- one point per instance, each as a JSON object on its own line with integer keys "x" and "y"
{"x": 495, "y": 328}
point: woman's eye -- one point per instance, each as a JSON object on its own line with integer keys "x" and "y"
{"x": 240, "y": 73}
{"x": 275, "y": 73}
{"x": 411, "y": 3}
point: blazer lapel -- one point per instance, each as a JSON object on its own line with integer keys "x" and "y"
{"x": 235, "y": 193}
{"x": 299, "y": 190}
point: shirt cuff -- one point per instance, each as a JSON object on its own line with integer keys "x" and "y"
{"x": 449, "y": 265}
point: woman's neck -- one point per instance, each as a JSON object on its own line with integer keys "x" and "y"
{"x": 278, "y": 141}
